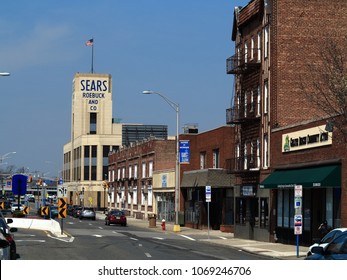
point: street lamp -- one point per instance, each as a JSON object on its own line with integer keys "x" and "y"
{"x": 4, "y": 74}
{"x": 176, "y": 107}
{"x": 5, "y": 156}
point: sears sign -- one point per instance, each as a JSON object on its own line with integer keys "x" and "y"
{"x": 94, "y": 90}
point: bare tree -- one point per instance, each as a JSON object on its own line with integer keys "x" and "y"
{"x": 325, "y": 84}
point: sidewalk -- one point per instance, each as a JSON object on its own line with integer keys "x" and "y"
{"x": 274, "y": 250}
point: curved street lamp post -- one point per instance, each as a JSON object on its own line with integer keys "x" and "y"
{"x": 176, "y": 107}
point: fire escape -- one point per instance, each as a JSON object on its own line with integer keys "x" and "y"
{"x": 245, "y": 114}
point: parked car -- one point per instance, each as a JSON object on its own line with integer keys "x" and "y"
{"x": 116, "y": 217}
{"x": 76, "y": 211}
{"x": 5, "y": 252}
{"x": 15, "y": 206}
{"x": 8, "y": 234}
{"x": 335, "y": 250}
{"x": 87, "y": 213}
{"x": 326, "y": 239}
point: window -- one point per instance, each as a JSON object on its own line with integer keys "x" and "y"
{"x": 252, "y": 48}
{"x": 245, "y": 162}
{"x": 118, "y": 173}
{"x": 202, "y": 160}
{"x": 150, "y": 168}
{"x": 246, "y": 52}
{"x": 135, "y": 171}
{"x": 266, "y": 43}
{"x": 143, "y": 170}
{"x": 130, "y": 171}
{"x": 245, "y": 108}
{"x": 94, "y": 162}
{"x": 264, "y": 212}
{"x": 92, "y": 123}
{"x": 258, "y": 101}
{"x": 86, "y": 162}
{"x": 240, "y": 217}
{"x": 266, "y": 97}
{"x": 259, "y": 47}
{"x": 258, "y": 153}
{"x": 252, "y": 102}
{"x": 216, "y": 158}
{"x": 265, "y": 157}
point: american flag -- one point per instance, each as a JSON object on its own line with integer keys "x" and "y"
{"x": 90, "y": 42}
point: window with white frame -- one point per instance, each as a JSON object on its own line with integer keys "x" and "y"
{"x": 266, "y": 41}
{"x": 246, "y": 52}
{"x": 259, "y": 47}
{"x": 258, "y": 101}
{"x": 258, "y": 153}
{"x": 245, "y": 104}
{"x": 252, "y": 102}
{"x": 266, "y": 97}
{"x": 135, "y": 171}
{"x": 252, "y": 48}
{"x": 113, "y": 175}
{"x": 123, "y": 172}
{"x": 245, "y": 163}
{"x": 150, "y": 169}
{"x": 266, "y": 155}
{"x": 202, "y": 160}
{"x": 143, "y": 170}
{"x": 118, "y": 173}
{"x": 130, "y": 171}
{"x": 216, "y": 158}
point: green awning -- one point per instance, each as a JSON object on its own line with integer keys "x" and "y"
{"x": 318, "y": 176}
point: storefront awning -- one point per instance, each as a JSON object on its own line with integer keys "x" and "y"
{"x": 309, "y": 177}
{"x": 207, "y": 177}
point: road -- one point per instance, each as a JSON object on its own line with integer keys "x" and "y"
{"x": 93, "y": 240}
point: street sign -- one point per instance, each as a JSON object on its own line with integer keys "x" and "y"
{"x": 298, "y": 191}
{"x": 184, "y": 151}
{"x": 2, "y": 205}
{"x": 62, "y": 191}
{"x": 26, "y": 210}
{"x": 19, "y": 184}
{"x": 62, "y": 205}
{"x": 208, "y": 193}
{"x": 44, "y": 211}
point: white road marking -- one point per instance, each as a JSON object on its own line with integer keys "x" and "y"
{"x": 140, "y": 245}
{"x": 185, "y": 236}
{"x": 97, "y": 235}
{"x": 159, "y": 238}
{"x": 30, "y": 240}
{"x": 132, "y": 238}
{"x": 222, "y": 237}
{"x": 101, "y": 228}
{"x": 148, "y": 255}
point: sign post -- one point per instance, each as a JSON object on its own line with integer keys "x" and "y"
{"x": 208, "y": 200}
{"x": 298, "y": 215}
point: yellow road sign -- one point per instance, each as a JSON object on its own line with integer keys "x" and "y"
{"x": 44, "y": 211}
{"x": 26, "y": 210}
{"x": 62, "y": 205}
{"x": 2, "y": 205}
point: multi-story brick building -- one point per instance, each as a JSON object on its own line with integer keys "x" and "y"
{"x": 210, "y": 153}
{"x": 142, "y": 178}
{"x": 281, "y": 138}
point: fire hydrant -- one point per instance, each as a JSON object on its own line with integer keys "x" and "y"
{"x": 163, "y": 224}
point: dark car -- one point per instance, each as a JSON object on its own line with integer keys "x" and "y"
{"x": 116, "y": 217}
{"x": 87, "y": 213}
{"x": 335, "y": 250}
{"x": 76, "y": 211}
{"x": 8, "y": 234}
{"x": 5, "y": 253}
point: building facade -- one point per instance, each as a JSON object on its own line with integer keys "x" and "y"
{"x": 142, "y": 178}
{"x": 210, "y": 153}
{"x": 93, "y": 136}
{"x": 281, "y": 137}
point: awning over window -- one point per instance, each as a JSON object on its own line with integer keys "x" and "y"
{"x": 310, "y": 177}
{"x": 216, "y": 178}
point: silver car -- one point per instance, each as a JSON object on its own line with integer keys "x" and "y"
{"x": 87, "y": 213}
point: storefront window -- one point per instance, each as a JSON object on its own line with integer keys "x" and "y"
{"x": 264, "y": 212}
{"x": 279, "y": 208}
{"x": 337, "y": 208}
{"x": 240, "y": 211}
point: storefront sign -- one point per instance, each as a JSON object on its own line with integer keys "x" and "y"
{"x": 184, "y": 151}
{"x": 247, "y": 191}
{"x": 306, "y": 139}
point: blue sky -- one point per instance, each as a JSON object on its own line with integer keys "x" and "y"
{"x": 177, "y": 48}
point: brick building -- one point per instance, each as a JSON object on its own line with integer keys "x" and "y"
{"x": 281, "y": 138}
{"x": 142, "y": 178}
{"x": 210, "y": 153}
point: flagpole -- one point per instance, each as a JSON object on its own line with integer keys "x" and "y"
{"x": 93, "y": 57}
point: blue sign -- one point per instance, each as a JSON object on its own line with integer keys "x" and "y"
{"x": 19, "y": 184}
{"x": 184, "y": 151}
